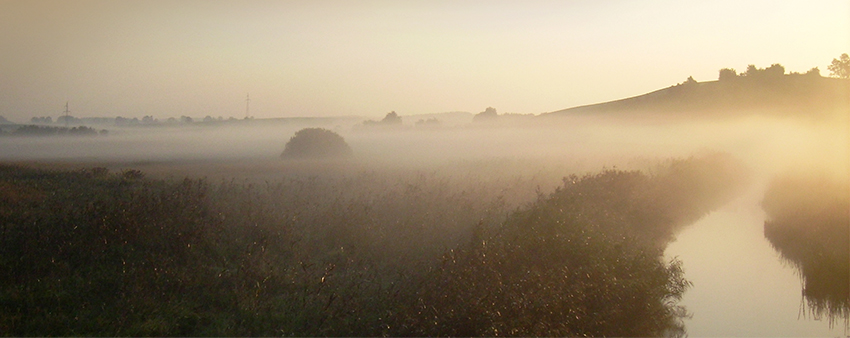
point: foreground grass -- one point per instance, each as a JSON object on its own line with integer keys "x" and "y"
{"x": 93, "y": 253}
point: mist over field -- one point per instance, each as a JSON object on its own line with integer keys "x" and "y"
{"x": 768, "y": 145}
{"x": 421, "y": 168}
{"x": 411, "y": 225}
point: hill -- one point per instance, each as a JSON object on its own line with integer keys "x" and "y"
{"x": 784, "y": 95}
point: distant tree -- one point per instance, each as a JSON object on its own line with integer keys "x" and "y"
{"x": 840, "y": 67}
{"x": 316, "y": 143}
{"x": 488, "y": 114}
{"x": 690, "y": 81}
{"x": 813, "y": 72}
{"x": 429, "y": 123}
{"x": 391, "y": 118}
{"x": 774, "y": 70}
{"x": 34, "y": 130}
{"x": 752, "y": 71}
{"x": 727, "y": 74}
{"x": 68, "y": 120}
{"x": 186, "y": 119}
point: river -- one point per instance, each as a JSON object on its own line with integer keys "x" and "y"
{"x": 741, "y": 285}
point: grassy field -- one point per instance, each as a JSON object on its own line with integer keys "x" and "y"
{"x": 366, "y": 253}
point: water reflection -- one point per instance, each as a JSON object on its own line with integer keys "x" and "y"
{"x": 808, "y": 224}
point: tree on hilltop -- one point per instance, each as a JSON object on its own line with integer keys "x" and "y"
{"x": 813, "y": 72}
{"x": 775, "y": 70}
{"x": 488, "y": 114}
{"x": 391, "y": 119}
{"x": 840, "y": 68}
{"x": 727, "y": 74}
{"x": 751, "y": 71}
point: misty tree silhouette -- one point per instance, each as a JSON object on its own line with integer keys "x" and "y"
{"x": 775, "y": 70}
{"x": 391, "y": 119}
{"x": 840, "y": 68}
{"x": 727, "y": 74}
{"x": 316, "y": 143}
{"x": 488, "y": 114}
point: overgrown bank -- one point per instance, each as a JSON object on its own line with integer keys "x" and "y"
{"x": 809, "y": 224}
{"x": 94, "y": 253}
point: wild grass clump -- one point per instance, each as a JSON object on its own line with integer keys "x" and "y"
{"x": 374, "y": 254}
{"x": 809, "y": 224}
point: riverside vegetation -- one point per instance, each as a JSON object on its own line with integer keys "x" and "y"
{"x": 90, "y": 252}
{"x": 809, "y": 225}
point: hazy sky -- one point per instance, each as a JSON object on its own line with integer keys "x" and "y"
{"x": 322, "y": 58}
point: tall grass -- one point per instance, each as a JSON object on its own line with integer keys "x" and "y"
{"x": 809, "y": 224}
{"x": 94, "y": 253}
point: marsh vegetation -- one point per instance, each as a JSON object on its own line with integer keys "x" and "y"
{"x": 376, "y": 253}
{"x": 809, "y": 225}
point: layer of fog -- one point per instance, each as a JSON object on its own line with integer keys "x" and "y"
{"x": 767, "y": 145}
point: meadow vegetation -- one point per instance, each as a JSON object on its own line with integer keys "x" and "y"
{"x": 92, "y": 252}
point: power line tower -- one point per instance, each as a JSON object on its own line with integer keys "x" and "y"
{"x": 67, "y": 114}
{"x": 247, "y": 105}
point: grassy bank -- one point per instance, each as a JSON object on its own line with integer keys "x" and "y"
{"x": 809, "y": 224}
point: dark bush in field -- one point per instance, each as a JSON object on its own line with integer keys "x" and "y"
{"x": 93, "y": 253}
{"x": 809, "y": 224}
{"x": 316, "y": 143}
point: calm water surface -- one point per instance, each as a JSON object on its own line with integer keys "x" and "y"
{"x": 742, "y": 287}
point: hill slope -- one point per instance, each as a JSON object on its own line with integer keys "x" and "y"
{"x": 784, "y": 95}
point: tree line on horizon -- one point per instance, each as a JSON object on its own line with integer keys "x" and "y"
{"x": 126, "y": 121}
{"x": 34, "y": 130}
{"x": 839, "y": 68}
